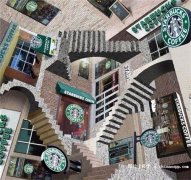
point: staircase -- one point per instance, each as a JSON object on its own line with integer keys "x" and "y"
{"x": 101, "y": 173}
{"x": 128, "y": 103}
{"x": 82, "y": 149}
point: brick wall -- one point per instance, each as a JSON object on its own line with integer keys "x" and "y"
{"x": 48, "y": 91}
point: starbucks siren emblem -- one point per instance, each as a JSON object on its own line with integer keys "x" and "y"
{"x": 28, "y": 168}
{"x": 74, "y": 113}
{"x": 175, "y": 28}
{"x": 54, "y": 159}
{"x": 36, "y": 42}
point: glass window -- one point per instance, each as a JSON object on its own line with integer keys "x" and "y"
{"x": 23, "y": 58}
{"x": 84, "y": 69}
{"x": 16, "y": 169}
{"x": 157, "y": 46}
{"x": 105, "y": 66}
{"x": 40, "y": 11}
{"x": 28, "y": 141}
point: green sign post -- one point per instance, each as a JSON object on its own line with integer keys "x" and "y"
{"x": 44, "y": 45}
{"x": 175, "y": 27}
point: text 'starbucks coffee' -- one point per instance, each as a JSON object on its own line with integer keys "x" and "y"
{"x": 175, "y": 27}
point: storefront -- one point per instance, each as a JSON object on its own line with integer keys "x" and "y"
{"x": 73, "y": 111}
{"x": 171, "y": 127}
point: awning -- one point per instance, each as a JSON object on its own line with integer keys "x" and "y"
{"x": 73, "y": 92}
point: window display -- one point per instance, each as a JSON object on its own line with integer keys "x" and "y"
{"x": 166, "y": 123}
{"x": 40, "y": 11}
{"x": 27, "y": 169}
{"x": 28, "y": 142}
{"x": 105, "y": 66}
{"x": 84, "y": 69}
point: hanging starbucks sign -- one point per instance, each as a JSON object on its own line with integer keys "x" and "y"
{"x": 175, "y": 28}
{"x": 54, "y": 160}
{"x": 150, "y": 138}
{"x": 74, "y": 113}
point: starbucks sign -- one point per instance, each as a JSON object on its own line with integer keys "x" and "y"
{"x": 28, "y": 168}
{"x": 31, "y": 6}
{"x": 54, "y": 160}
{"x": 74, "y": 113}
{"x": 150, "y": 138}
{"x": 175, "y": 27}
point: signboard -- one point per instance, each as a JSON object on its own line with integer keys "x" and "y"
{"x": 182, "y": 120}
{"x": 151, "y": 21}
{"x": 171, "y": 124}
{"x": 149, "y": 138}
{"x": 127, "y": 72}
{"x": 121, "y": 150}
{"x": 8, "y": 123}
{"x": 7, "y": 40}
{"x": 175, "y": 28}
{"x": 119, "y": 10}
{"x": 54, "y": 159}
{"x": 40, "y": 11}
{"x": 44, "y": 45}
{"x": 75, "y": 113}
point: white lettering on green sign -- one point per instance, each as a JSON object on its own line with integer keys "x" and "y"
{"x": 5, "y": 134}
{"x": 6, "y": 41}
{"x": 175, "y": 27}
{"x": 152, "y": 20}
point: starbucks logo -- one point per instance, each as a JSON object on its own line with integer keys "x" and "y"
{"x": 74, "y": 113}
{"x": 150, "y": 138}
{"x": 54, "y": 159}
{"x": 28, "y": 168}
{"x": 36, "y": 42}
{"x": 175, "y": 26}
{"x": 31, "y": 6}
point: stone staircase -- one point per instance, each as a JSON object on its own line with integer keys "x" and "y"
{"x": 128, "y": 103}
{"x": 80, "y": 148}
{"x": 101, "y": 173}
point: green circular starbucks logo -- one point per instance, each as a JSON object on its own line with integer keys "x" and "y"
{"x": 150, "y": 138}
{"x": 28, "y": 168}
{"x": 175, "y": 26}
{"x": 54, "y": 159}
{"x": 74, "y": 113}
{"x": 31, "y": 6}
{"x": 36, "y": 42}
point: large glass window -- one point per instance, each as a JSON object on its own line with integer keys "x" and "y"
{"x": 28, "y": 142}
{"x": 23, "y": 58}
{"x": 105, "y": 66}
{"x": 157, "y": 46}
{"x": 84, "y": 69}
{"x": 17, "y": 168}
{"x": 40, "y": 11}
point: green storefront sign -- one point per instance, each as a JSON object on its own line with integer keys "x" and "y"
{"x": 65, "y": 89}
{"x": 152, "y": 20}
{"x": 74, "y": 113}
{"x": 175, "y": 27}
{"x": 7, "y": 40}
{"x": 44, "y": 45}
{"x": 5, "y": 135}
